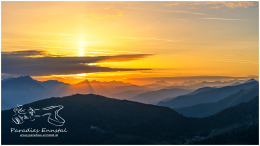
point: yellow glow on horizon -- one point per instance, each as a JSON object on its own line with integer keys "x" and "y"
{"x": 81, "y": 45}
{"x": 81, "y": 52}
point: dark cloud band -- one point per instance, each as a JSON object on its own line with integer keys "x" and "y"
{"x": 19, "y": 63}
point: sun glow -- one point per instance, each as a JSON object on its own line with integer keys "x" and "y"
{"x": 81, "y": 52}
{"x": 81, "y": 45}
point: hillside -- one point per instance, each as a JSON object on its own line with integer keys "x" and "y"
{"x": 153, "y": 97}
{"x": 94, "y": 119}
{"x": 208, "y": 96}
{"x": 207, "y": 109}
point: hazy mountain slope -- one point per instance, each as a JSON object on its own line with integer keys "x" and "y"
{"x": 24, "y": 89}
{"x": 127, "y": 94}
{"x": 206, "y": 109}
{"x": 127, "y": 88}
{"x": 56, "y": 88}
{"x": 6, "y": 79}
{"x": 21, "y": 90}
{"x": 153, "y": 97}
{"x": 93, "y": 119}
{"x": 201, "y": 90}
{"x": 191, "y": 93}
{"x": 21, "y": 83}
{"x": 53, "y": 84}
{"x": 209, "y": 96}
{"x": 158, "y": 85}
{"x": 101, "y": 88}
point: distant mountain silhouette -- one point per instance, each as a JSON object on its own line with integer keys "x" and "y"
{"x": 207, "y": 109}
{"x": 53, "y": 84}
{"x": 191, "y": 93}
{"x": 21, "y": 83}
{"x": 162, "y": 82}
{"x": 236, "y": 83}
{"x": 158, "y": 85}
{"x": 24, "y": 89}
{"x": 153, "y": 97}
{"x": 251, "y": 80}
{"x": 83, "y": 82}
{"x": 208, "y": 96}
{"x": 214, "y": 84}
{"x": 111, "y": 83}
{"x": 155, "y": 86}
{"x": 93, "y": 119}
{"x": 6, "y": 79}
{"x": 97, "y": 87}
{"x": 120, "y": 89}
{"x": 247, "y": 81}
{"x": 20, "y": 90}
{"x": 201, "y": 90}
{"x": 127, "y": 94}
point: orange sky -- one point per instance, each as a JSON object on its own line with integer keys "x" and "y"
{"x": 178, "y": 38}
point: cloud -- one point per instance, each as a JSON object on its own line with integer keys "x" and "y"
{"x": 236, "y": 61}
{"x": 238, "y": 55}
{"x": 172, "y": 4}
{"x": 142, "y": 38}
{"x": 29, "y": 63}
{"x": 105, "y": 13}
{"x": 225, "y": 19}
{"x": 104, "y": 16}
{"x": 28, "y": 53}
{"x": 124, "y": 57}
{"x": 167, "y": 11}
{"x": 217, "y": 4}
{"x": 5, "y": 76}
{"x": 196, "y": 78}
{"x": 228, "y": 4}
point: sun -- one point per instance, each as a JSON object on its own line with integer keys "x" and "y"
{"x": 81, "y": 45}
{"x": 81, "y": 52}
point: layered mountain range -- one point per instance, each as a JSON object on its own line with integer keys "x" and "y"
{"x": 94, "y": 119}
{"x": 183, "y": 115}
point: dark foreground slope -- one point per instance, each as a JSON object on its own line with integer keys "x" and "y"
{"x": 245, "y": 133}
{"x": 94, "y": 119}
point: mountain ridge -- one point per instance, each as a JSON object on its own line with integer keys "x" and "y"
{"x": 207, "y": 109}
{"x": 209, "y": 96}
{"x": 123, "y": 121}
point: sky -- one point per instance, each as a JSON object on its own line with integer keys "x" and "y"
{"x": 137, "y": 42}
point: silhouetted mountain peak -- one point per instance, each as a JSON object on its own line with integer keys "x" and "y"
{"x": 201, "y": 90}
{"x": 236, "y": 83}
{"x": 22, "y": 83}
{"x": 83, "y": 82}
{"x": 161, "y": 82}
{"x": 52, "y": 83}
{"x": 251, "y": 80}
{"x": 25, "y": 78}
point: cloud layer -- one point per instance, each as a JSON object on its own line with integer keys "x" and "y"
{"x": 218, "y": 4}
{"x": 41, "y": 63}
